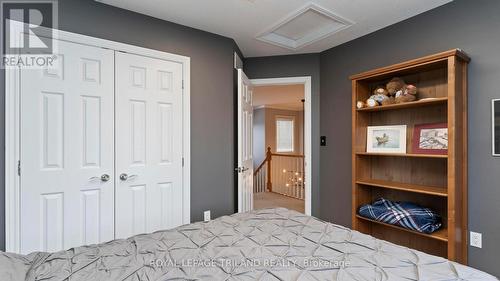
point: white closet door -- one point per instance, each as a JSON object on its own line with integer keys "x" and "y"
{"x": 149, "y": 189}
{"x": 67, "y": 199}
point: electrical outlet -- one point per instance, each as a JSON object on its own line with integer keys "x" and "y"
{"x": 206, "y": 215}
{"x": 476, "y": 239}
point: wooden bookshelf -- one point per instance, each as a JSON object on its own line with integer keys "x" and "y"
{"x": 438, "y": 182}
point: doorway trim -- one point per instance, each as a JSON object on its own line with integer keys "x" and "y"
{"x": 12, "y": 127}
{"x": 306, "y": 81}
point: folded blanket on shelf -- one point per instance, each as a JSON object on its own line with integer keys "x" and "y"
{"x": 403, "y": 214}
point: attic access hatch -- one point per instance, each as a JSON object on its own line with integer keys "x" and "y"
{"x": 304, "y": 27}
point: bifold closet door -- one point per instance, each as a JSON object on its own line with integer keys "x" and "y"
{"x": 149, "y": 189}
{"x": 66, "y": 151}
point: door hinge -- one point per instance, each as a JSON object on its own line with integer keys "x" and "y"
{"x": 19, "y": 168}
{"x": 182, "y": 161}
{"x": 183, "y": 84}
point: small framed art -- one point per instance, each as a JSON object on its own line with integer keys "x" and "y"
{"x": 386, "y": 139}
{"x": 495, "y": 130}
{"x": 430, "y": 139}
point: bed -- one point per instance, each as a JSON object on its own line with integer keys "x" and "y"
{"x": 268, "y": 244}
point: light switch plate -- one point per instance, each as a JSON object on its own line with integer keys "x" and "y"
{"x": 206, "y": 215}
{"x": 476, "y": 239}
{"x": 322, "y": 141}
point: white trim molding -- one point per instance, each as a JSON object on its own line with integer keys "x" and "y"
{"x": 238, "y": 62}
{"x": 278, "y": 107}
{"x": 12, "y": 125}
{"x": 12, "y": 157}
{"x": 307, "y": 82}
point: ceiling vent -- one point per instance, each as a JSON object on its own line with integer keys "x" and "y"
{"x": 304, "y": 27}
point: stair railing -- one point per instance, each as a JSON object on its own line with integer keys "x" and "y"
{"x": 282, "y": 174}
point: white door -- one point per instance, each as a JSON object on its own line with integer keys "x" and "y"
{"x": 149, "y": 188}
{"x": 66, "y": 161}
{"x": 245, "y": 143}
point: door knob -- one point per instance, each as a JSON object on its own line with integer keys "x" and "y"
{"x": 103, "y": 178}
{"x": 241, "y": 169}
{"x": 125, "y": 177}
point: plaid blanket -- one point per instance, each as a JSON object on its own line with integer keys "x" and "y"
{"x": 403, "y": 214}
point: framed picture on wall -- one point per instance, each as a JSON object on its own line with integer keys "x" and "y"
{"x": 495, "y": 131}
{"x": 430, "y": 139}
{"x": 386, "y": 139}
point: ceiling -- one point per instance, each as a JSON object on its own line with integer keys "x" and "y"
{"x": 251, "y": 22}
{"x": 279, "y": 97}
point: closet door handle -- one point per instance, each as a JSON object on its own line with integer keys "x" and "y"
{"x": 125, "y": 177}
{"x": 103, "y": 178}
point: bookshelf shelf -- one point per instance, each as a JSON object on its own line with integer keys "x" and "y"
{"x": 423, "y": 189}
{"x": 410, "y": 155}
{"x": 420, "y": 103}
{"x": 440, "y": 235}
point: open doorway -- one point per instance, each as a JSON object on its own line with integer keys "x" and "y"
{"x": 279, "y": 144}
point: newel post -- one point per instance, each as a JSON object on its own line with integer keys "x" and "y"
{"x": 269, "y": 157}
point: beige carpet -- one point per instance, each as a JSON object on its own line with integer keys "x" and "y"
{"x": 273, "y": 200}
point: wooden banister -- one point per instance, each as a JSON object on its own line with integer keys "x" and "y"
{"x": 288, "y": 155}
{"x": 263, "y": 177}
{"x": 268, "y": 173}
{"x": 269, "y": 157}
{"x": 260, "y": 167}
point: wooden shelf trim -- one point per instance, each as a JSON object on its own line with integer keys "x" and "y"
{"x": 412, "y": 63}
{"x": 440, "y": 235}
{"x": 438, "y": 156}
{"x": 425, "y": 102}
{"x": 430, "y": 190}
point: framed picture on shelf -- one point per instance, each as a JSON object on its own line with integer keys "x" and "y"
{"x": 430, "y": 139}
{"x": 495, "y": 130}
{"x": 386, "y": 139}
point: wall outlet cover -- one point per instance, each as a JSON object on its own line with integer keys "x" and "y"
{"x": 476, "y": 239}
{"x": 206, "y": 215}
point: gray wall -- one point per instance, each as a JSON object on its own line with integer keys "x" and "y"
{"x": 291, "y": 66}
{"x": 212, "y": 140}
{"x": 470, "y": 25}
